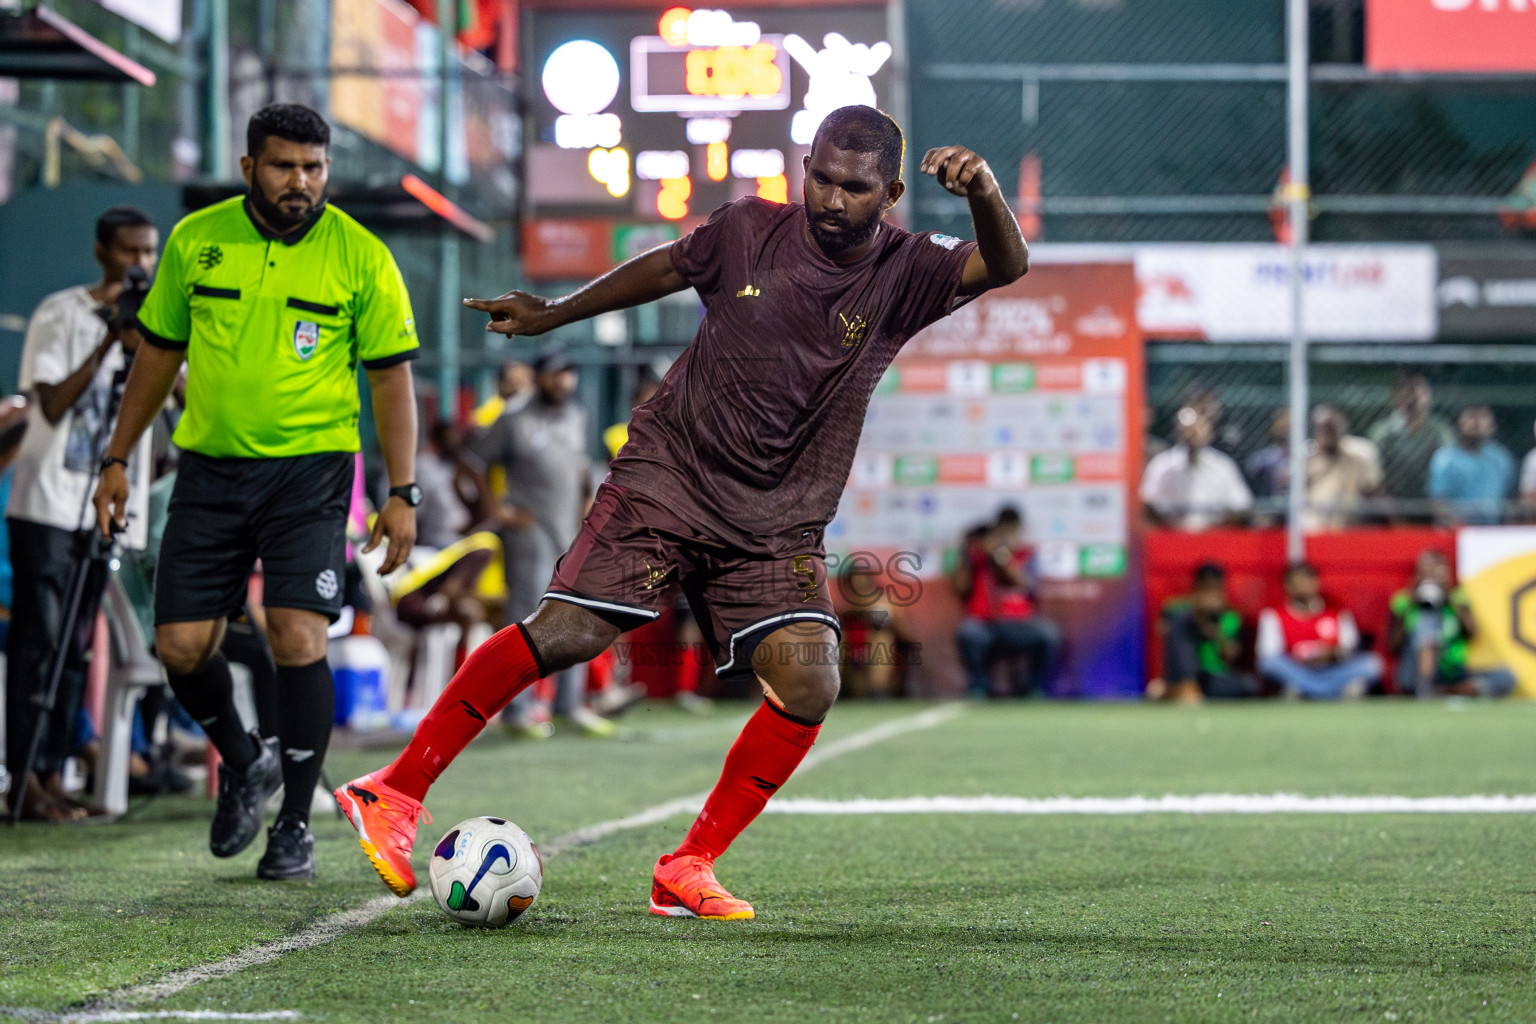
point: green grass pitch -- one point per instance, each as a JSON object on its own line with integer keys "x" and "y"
{"x": 921, "y": 917}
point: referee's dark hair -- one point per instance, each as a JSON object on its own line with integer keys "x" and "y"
{"x": 292, "y": 121}
{"x": 865, "y": 130}
{"x": 117, "y": 218}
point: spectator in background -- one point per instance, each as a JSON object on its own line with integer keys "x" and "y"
{"x": 542, "y": 450}
{"x": 1192, "y": 486}
{"x": 994, "y": 578}
{"x": 1431, "y": 628}
{"x": 1269, "y": 468}
{"x": 1202, "y": 642}
{"x": 514, "y": 389}
{"x": 1528, "y": 484}
{"x": 1408, "y": 438}
{"x": 878, "y": 638}
{"x": 1310, "y": 647}
{"x": 1341, "y": 472}
{"x": 71, "y": 361}
{"x": 13, "y": 426}
{"x": 453, "y": 495}
{"x": 1469, "y": 480}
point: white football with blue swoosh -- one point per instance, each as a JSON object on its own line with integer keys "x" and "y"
{"x": 485, "y": 872}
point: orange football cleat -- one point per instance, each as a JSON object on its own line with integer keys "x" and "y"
{"x": 686, "y": 887}
{"x": 385, "y": 819}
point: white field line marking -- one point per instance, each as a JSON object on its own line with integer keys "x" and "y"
{"x": 693, "y": 803}
{"x": 126, "y": 1015}
{"x": 1203, "y": 803}
{"x": 339, "y": 924}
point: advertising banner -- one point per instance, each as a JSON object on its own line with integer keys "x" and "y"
{"x": 1030, "y": 396}
{"x": 1486, "y": 297}
{"x": 1497, "y": 567}
{"x": 1242, "y": 292}
{"x": 1450, "y": 35}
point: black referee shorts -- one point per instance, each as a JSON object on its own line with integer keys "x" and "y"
{"x": 225, "y": 513}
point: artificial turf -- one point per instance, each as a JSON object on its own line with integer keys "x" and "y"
{"x": 882, "y": 918}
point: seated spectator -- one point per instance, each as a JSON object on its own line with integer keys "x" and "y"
{"x": 1407, "y": 439}
{"x": 1470, "y": 479}
{"x": 1311, "y": 648}
{"x": 877, "y": 637}
{"x": 1192, "y": 486}
{"x": 453, "y": 494}
{"x": 1431, "y": 627}
{"x": 1202, "y": 642}
{"x": 1342, "y": 471}
{"x": 994, "y": 578}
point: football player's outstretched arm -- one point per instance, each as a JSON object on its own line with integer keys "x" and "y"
{"x": 1001, "y": 255}
{"x": 635, "y": 282}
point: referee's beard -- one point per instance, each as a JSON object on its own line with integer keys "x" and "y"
{"x": 276, "y": 216}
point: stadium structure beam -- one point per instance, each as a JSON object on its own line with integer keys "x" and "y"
{"x": 41, "y": 43}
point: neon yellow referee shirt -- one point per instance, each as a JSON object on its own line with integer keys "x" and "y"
{"x": 274, "y": 327}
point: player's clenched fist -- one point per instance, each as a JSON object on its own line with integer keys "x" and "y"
{"x": 515, "y": 313}
{"x": 959, "y": 170}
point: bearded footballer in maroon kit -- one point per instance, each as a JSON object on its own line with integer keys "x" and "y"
{"x": 731, "y": 473}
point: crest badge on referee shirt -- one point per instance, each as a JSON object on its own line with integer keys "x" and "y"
{"x": 306, "y": 338}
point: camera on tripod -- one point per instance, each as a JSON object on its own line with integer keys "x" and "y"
{"x": 124, "y": 313}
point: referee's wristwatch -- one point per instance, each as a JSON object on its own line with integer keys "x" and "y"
{"x": 408, "y": 493}
{"x": 108, "y": 461}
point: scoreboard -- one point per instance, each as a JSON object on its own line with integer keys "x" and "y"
{"x": 647, "y": 120}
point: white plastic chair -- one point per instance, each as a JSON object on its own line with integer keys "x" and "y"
{"x": 131, "y": 670}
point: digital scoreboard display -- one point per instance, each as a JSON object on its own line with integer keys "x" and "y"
{"x": 658, "y": 117}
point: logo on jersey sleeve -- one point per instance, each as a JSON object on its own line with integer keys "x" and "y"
{"x": 306, "y": 338}
{"x": 944, "y": 241}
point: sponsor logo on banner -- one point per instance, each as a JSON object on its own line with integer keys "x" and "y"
{"x": 1487, "y": 297}
{"x": 1241, "y": 292}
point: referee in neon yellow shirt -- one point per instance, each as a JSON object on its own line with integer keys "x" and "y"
{"x": 273, "y": 299}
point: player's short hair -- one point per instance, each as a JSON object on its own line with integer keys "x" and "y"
{"x": 864, "y": 129}
{"x": 1299, "y": 569}
{"x": 1009, "y": 515}
{"x": 292, "y": 121}
{"x": 117, "y": 218}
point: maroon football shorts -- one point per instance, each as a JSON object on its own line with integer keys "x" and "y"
{"x": 632, "y": 548}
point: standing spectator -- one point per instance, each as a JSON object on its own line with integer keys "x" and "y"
{"x": 995, "y": 580}
{"x": 451, "y": 492}
{"x": 1341, "y": 472}
{"x": 1192, "y": 486}
{"x": 1528, "y": 484}
{"x": 1431, "y": 627}
{"x": 273, "y": 299}
{"x": 1469, "y": 480}
{"x": 71, "y": 362}
{"x": 1269, "y": 468}
{"x": 1202, "y": 641}
{"x": 1408, "y": 438}
{"x": 514, "y": 389}
{"x": 542, "y": 449}
{"x": 1311, "y": 648}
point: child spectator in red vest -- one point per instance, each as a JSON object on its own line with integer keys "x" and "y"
{"x": 1311, "y": 648}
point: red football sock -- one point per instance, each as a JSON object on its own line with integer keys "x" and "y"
{"x": 762, "y": 759}
{"x": 491, "y": 676}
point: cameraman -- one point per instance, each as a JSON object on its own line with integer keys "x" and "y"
{"x": 1431, "y": 627}
{"x": 77, "y": 349}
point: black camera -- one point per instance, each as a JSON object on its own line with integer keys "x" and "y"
{"x": 124, "y": 314}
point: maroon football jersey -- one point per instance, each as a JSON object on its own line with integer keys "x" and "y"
{"x": 753, "y": 431}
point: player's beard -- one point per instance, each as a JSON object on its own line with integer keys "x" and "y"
{"x": 277, "y": 218}
{"x": 852, "y": 234}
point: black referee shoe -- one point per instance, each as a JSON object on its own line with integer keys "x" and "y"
{"x": 237, "y": 818}
{"x": 290, "y": 852}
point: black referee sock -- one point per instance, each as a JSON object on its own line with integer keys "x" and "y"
{"x": 244, "y": 645}
{"x": 306, "y": 704}
{"x": 208, "y": 694}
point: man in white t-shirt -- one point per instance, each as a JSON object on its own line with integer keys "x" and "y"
{"x": 1192, "y": 486}
{"x": 70, "y": 363}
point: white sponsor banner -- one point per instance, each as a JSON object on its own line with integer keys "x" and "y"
{"x": 1242, "y": 292}
{"x": 162, "y": 17}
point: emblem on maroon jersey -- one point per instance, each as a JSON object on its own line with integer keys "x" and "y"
{"x": 854, "y": 329}
{"x": 749, "y": 292}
